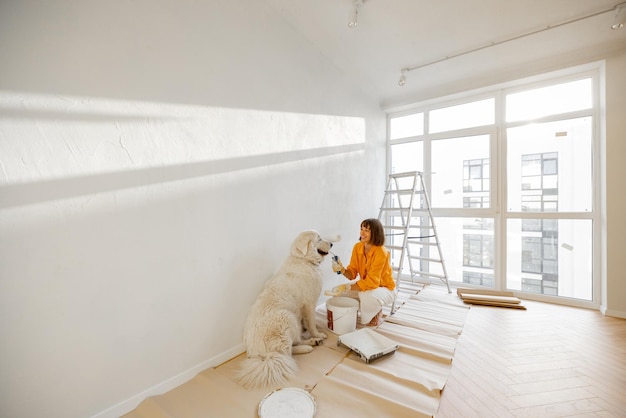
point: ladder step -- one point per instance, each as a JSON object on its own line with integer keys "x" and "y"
{"x": 404, "y": 212}
{"x": 395, "y": 228}
{"x": 404, "y": 228}
{"x": 420, "y": 240}
{"x": 402, "y": 191}
{"x": 405, "y": 208}
{"x": 427, "y": 274}
{"x": 405, "y": 174}
{"x": 390, "y": 209}
{"x": 417, "y": 242}
{"x": 432, "y": 260}
{"x": 422, "y": 236}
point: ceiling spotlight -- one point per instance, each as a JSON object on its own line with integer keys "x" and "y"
{"x": 620, "y": 16}
{"x": 402, "y": 80}
{"x": 354, "y": 16}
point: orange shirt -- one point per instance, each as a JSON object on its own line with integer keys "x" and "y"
{"x": 373, "y": 268}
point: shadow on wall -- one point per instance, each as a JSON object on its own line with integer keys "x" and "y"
{"x": 42, "y": 191}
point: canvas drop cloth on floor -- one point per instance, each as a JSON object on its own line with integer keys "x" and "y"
{"x": 407, "y": 383}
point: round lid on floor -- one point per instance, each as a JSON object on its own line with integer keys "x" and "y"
{"x": 287, "y": 403}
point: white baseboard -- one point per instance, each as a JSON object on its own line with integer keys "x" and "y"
{"x": 612, "y": 312}
{"x": 131, "y": 403}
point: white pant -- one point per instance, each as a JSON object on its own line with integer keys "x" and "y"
{"x": 372, "y": 301}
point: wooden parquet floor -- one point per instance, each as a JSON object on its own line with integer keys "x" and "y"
{"x": 547, "y": 361}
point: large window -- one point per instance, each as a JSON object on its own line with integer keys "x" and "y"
{"x": 511, "y": 180}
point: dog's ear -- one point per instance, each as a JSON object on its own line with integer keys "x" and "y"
{"x": 303, "y": 247}
{"x": 300, "y": 246}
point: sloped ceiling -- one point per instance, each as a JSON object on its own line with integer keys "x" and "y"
{"x": 459, "y": 44}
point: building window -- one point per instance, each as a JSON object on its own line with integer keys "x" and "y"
{"x": 476, "y": 183}
{"x": 540, "y": 182}
{"x": 540, "y": 237}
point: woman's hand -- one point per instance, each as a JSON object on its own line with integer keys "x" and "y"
{"x": 337, "y": 265}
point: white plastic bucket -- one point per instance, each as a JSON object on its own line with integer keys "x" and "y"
{"x": 341, "y": 313}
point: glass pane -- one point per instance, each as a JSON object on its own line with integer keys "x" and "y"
{"x": 551, "y": 100}
{"x": 549, "y": 167}
{"x": 467, "y": 246}
{"x": 407, "y": 157}
{"x": 467, "y": 115}
{"x": 461, "y": 172}
{"x": 405, "y": 126}
{"x": 550, "y": 260}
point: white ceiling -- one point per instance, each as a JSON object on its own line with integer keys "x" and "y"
{"x": 395, "y": 34}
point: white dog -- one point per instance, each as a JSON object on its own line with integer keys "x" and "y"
{"x": 284, "y": 310}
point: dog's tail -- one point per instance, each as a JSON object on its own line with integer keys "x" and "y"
{"x": 271, "y": 370}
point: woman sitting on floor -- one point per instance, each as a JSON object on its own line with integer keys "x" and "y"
{"x": 370, "y": 261}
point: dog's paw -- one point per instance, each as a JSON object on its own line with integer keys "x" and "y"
{"x": 301, "y": 349}
{"x": 318, "y": 340}
{"x": 319, "y": 335}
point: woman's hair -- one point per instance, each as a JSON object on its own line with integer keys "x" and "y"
{"x": 377, "y": 231}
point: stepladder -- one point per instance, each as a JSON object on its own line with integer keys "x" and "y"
{"x": 410, "y": 231}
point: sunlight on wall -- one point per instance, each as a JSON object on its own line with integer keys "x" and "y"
{"x": 45, "y": 137}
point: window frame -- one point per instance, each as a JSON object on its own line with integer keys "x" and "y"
{"x": 498, "y": 165}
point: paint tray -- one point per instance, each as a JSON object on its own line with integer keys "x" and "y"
{"x": 368, "y": 344}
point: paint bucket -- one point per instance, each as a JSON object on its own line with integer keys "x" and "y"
{"x": 341, "y": 313}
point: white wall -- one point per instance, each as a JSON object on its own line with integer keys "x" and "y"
{"x": 614, "y": 157}
{"x": 156, "y": 161}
